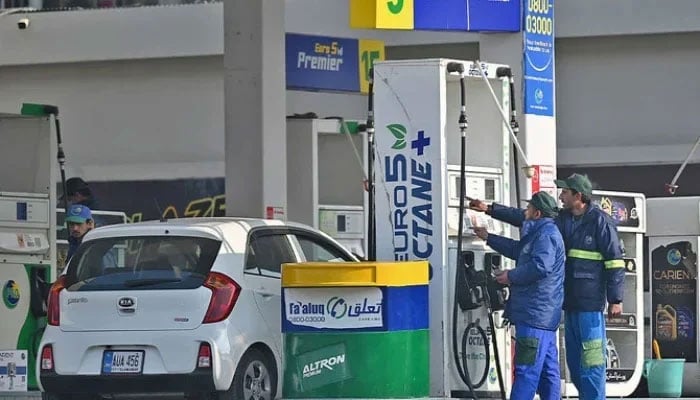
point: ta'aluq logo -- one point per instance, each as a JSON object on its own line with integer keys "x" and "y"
{"x": 399, "y": 132}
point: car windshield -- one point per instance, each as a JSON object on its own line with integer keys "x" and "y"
{"x": 142, "y": 262}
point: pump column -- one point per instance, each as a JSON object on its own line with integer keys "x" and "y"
{"x": 530, "y": 54}
{"x": 255, "y": 112}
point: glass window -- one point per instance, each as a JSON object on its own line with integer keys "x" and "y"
{"x": 151, "y": 262}
{"x": 267, "y": 253}
{"x": 316, "y": 249}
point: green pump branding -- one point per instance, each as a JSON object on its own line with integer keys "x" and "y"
{"x": 409, "y": 176}
{"x": 11, "y": 294}
{"x": 317, "y": 367}
{"x": 323, "y": 366}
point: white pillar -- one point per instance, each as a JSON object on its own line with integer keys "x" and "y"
{"x": 254, "y": 98}
{"x": 538, "y": 120}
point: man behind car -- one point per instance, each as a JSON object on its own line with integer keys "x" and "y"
{"x": 536, "y": 297}
{"x": 79, "y": 221}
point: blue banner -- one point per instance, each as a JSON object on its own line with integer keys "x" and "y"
{"x": 493, "y": 15}
{"x": 538, "y": 57}
{"x": 322, "y": 63}
{"x": 440, "y": 15}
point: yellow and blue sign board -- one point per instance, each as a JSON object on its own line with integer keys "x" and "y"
{"x": 437, "y": 15}
{"x": 382, "y": 14}
{"x": 330, "y": 63}
{"x": 355, "y": 297}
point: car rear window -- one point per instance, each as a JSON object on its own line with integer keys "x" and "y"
{"x": 142, "y": 262}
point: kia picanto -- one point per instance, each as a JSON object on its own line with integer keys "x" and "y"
{"x": 186, "y": 306}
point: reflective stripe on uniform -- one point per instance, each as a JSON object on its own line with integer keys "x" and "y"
{"x": 612, "y": 264}
{"x": 585, "y": 254}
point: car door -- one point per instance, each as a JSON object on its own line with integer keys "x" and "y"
{"x": 267, "y": 250}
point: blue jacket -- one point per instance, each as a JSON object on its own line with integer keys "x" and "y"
{"x": 537, "y": 281}
{"x": 595, "y": 270}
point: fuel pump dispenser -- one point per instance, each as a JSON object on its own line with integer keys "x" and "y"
{"x": 27, "y": 242}
{"x": 326, "y": 161}
{"x": 441, "y": 138}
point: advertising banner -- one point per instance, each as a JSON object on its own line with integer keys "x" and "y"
{"x": 323, "y": 63}
{"x": 322, "y": 367}
{"x": 443, "y": 15}
{"x": 433, "y": 15}
{"x": 307, "y": 309}
{"x": 13, "y": 371}
{"x": 493, "y": 16}
{"x": 156, "y": 199}
{"x": 328, "y": 63}
{"x": 538, "y": 57}
{"x": 381, "y": 14}
{"x": 674, "y": 295}
{"x": 623, "y": 210}
{"x": 543, "y": 180}
{"x": 370, "y": 51}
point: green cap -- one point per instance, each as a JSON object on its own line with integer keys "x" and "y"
{"x": 545, "y": 203}
{"x": 577, "y": 182}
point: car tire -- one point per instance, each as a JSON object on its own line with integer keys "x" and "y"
{"x": 255, "y": 378}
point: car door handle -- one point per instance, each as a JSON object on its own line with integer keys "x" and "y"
{"x": 266, "y": 295}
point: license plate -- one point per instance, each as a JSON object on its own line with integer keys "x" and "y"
{"x": 122, "y": 362}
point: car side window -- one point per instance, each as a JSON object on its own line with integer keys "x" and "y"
{"x": 266, "y": 254}
{"x": 316, "y": 249}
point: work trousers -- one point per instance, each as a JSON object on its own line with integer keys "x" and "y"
{"x": 586, "y": 352}
{"x": 536, "y": 364}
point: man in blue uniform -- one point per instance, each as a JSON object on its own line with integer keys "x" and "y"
{"x": 536, "y": 297}
{"x": 594, "y": 274}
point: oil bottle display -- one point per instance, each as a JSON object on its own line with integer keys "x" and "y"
{"x": 674, "y": 239}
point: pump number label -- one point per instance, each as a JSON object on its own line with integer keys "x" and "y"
{"x": 122, "y": 362}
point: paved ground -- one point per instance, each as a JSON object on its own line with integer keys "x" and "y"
{"x": 37, "y": 395}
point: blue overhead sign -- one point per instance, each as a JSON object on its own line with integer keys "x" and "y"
{"x": 440, "y": 15}
{"x": 538, "y": 57}
{"x": 493, "y": 15}
{"x": 322, "y": 63}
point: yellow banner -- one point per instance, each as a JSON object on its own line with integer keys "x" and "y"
{"x": 370, "y": 51}
{"x": 381, "y": 14}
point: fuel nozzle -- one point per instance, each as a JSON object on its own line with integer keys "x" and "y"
{"x": 498, "y": 293}
{"x": 470, "y": 283}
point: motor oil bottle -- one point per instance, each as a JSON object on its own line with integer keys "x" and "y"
{"x": 666, "y": 326}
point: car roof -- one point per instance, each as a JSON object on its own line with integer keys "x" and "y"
{"x": 231, "y": 229}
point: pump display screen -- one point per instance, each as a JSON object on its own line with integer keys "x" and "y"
{"x": 490, "y": 189}
{"x": 341, "y": 223}
{"x": 21, "y": 211}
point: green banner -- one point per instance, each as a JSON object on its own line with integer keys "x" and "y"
{"x": 322, "y": 367}
{"x": 357, "y": 365}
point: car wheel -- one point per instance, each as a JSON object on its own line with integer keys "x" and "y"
{"x": 255, "y": 377}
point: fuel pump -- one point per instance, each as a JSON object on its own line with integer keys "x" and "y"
{"x": 27, "y": 241}
{"x": 423, "y": 178}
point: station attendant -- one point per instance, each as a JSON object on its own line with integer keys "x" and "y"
{"x": 594, "y": 276}
{"x": 536, "y": 297}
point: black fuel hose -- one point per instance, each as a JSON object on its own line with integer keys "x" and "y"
{"x": 461, "y": 364}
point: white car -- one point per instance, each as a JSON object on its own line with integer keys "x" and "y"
{"x": 185, "y": 306}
